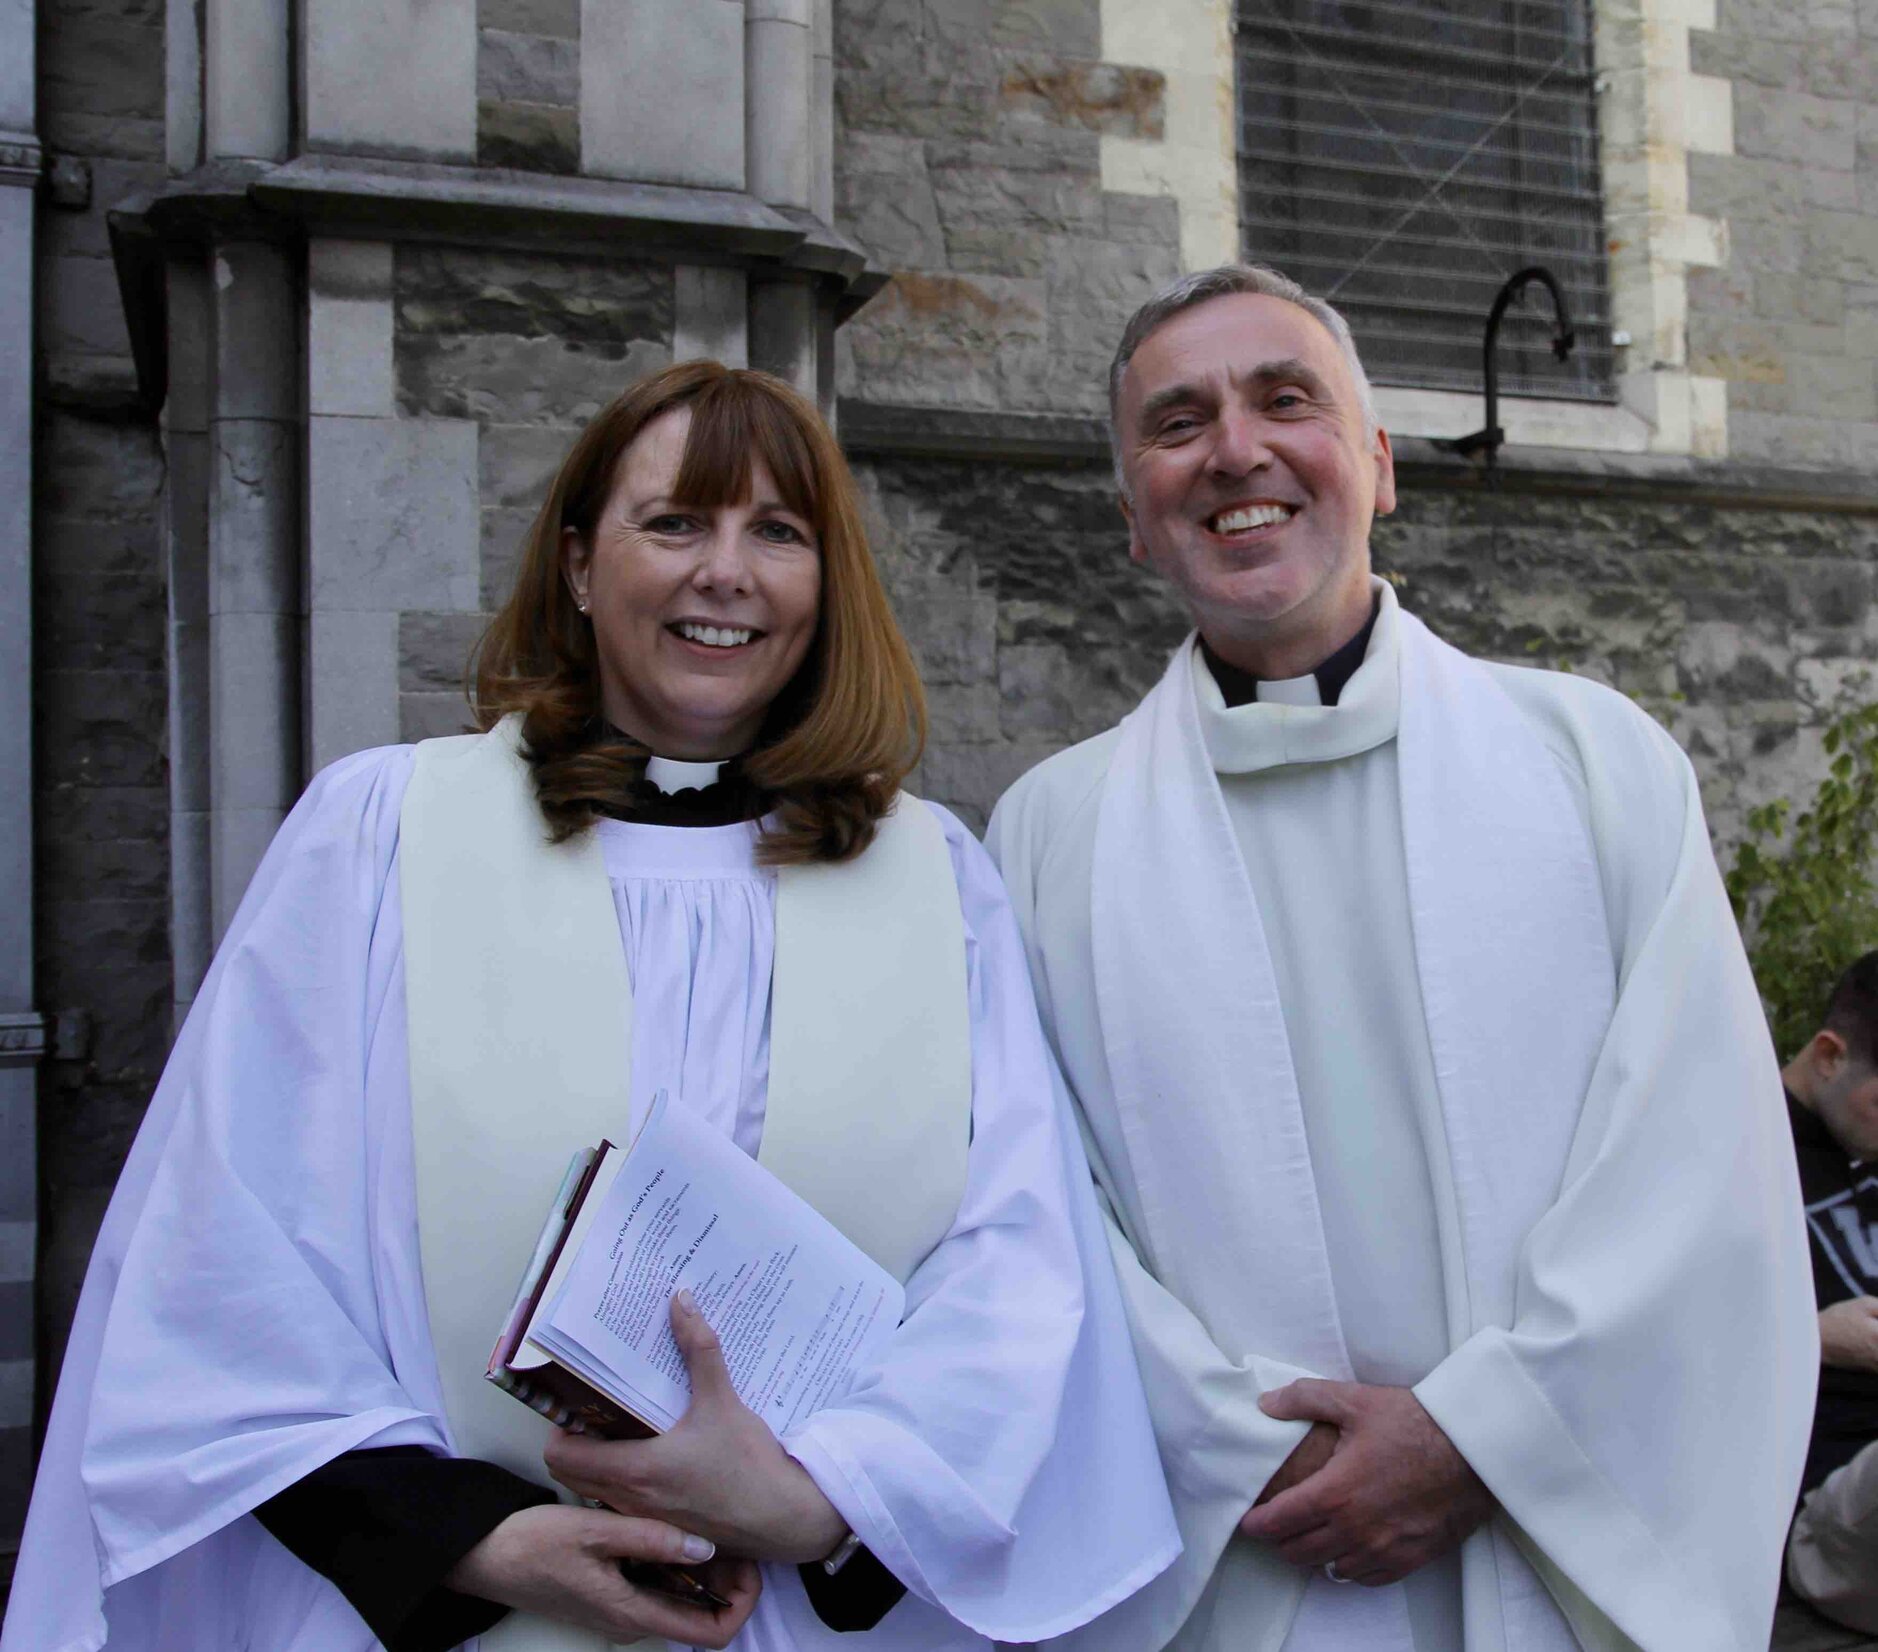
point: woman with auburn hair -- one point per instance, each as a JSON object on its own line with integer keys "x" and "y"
{"x": 676, "y": 858}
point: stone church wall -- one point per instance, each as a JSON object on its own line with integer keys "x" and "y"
{"x": 100, "y": 700}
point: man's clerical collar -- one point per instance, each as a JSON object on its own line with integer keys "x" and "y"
{"x": 671, "y": 774}
{"x": 1240, "y": 688}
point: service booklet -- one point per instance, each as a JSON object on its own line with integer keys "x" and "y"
{"x": 793, "y": 1301}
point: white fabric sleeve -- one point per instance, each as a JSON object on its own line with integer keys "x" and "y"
{"x": 228, "y": 1340}
{"x": 1644, "y": 1419}
{"x": 1217, "y": 1448}
{"x": 998, "y": 1457}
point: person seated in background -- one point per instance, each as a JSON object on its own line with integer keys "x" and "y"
{"x": 1832, "y": 1097}
{"x": 677, "y": 857}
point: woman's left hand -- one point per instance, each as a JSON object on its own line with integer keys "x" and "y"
{"x": 719, "y": 1472}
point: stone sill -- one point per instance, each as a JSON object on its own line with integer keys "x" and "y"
{"x": 386, "y": 200}
{"x": 897, "y": 431}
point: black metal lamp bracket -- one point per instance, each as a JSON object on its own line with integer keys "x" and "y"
{"x": 1491, "y": 438}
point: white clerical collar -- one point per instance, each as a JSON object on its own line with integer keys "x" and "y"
{"x": 1289, "y": 691}
{"x": 671, "y": 774}
{"x": 1289, "y": 723}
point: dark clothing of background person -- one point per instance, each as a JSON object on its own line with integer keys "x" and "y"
{"x": 1841, "y": 1199}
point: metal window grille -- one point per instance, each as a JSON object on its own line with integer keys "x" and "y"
{"x": 1403, "y": 160}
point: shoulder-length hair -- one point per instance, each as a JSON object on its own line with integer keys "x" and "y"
{"x": 847, "y": 727}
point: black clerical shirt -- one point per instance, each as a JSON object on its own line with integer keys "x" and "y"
{"x": 1242, "y": 688}
{"x": 386, "y": 1526}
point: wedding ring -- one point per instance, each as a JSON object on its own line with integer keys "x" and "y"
{"x": 1335, "y": 1576}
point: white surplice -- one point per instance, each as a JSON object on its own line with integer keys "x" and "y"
{"x": 1414, "y": 1043}
{"x": 255, "y": 1304}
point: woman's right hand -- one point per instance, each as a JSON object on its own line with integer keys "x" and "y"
{"x": 563, "y": 1563}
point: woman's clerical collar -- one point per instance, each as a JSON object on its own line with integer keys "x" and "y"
{"x": 672, "y": 774}
{"x": 1240, "y": 688}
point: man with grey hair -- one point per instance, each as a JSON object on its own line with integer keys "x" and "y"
{"x": 1421, "y": 1070}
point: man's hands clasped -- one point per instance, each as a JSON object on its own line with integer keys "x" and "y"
{"x": 1375, "y": 1489}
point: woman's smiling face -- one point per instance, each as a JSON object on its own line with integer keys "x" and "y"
{"x": 701, "y": 616}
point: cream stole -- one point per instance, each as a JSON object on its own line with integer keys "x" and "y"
{"x": 1518, "y": 982}
{"x": 520, "y": 1018}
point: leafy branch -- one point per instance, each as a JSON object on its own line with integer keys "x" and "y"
{"x": 1803, "y": 884}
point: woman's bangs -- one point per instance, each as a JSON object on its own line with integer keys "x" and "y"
{"x": 734, "y": 423}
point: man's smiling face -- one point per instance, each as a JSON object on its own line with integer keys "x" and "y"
{"x": 1253, "y": 480}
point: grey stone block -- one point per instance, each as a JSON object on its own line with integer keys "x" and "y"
{"x": 254, "y": 700}
{"x": 128, "y": 137}
{"x": 125, "y": 867}
{"x": 784, "y": 334}
{"x": 1835, "y": 191}
{"x": 950, "y": 341}
{"x": 247, "y": 79}
{"x": 503, "y": 535}
{"x": 1150, "y": 220}
{"x": 1768, "y": 19}
{"x": 518, "y": 380}
{"x": 391, "y": 514}
{"x": 434, "y": 651}
{"x": 963, "y": 713}
{"x": 527, "y": 68}
{"x": 186, "y": 525}
{"x": 105, "y": 814}
{"x": 391, "y": 79}
{"x": 1794, "y": 126}
{"x": 186, "y": 282}
{"x": 1841, "y": 244}
{"x": 884, "y": 199}
{"x": 779, "y": 90}
{"x": 447, "y": 291}
{"x": 516, "y": 463}
{"x": 528, "y": 137}
{"x": 104, "y": 62}
{"x": 632, "y": 53}
{"x": 255, "y": 326}
{"x": 710, "y": 314}
{"x": 79, "y": 309}
{"x": 1834, "y": 387}
{"x": 1107, "y": 98}
{"x": 106, "y": 618}
{"x": 892, "y": 76}
{"x": 349, "y": 328}
{"x": 352, "y": 684}
{"x": 1779, "y": 64}
{"x": 98, "y": 728}
{"x": 955, "y": 637}
{"x": 189, "y": 735}
{"x": 432, "y": 715}
{"x": 90, "y": 470}
{"x": 238, "y": 839}
{"x": 192, "y": 922}
{"x": 559, "y": 19}
{"x": 254, "y": 517}
{"x": 16, "y": 76}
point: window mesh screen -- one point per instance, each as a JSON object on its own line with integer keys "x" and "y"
{"x": 1404, "y": 160}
